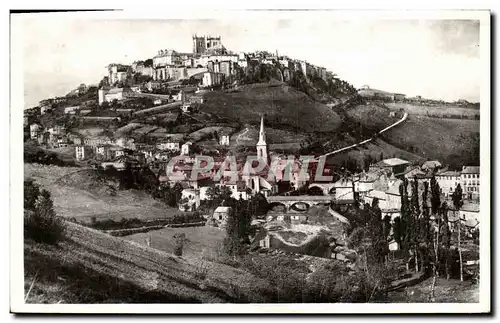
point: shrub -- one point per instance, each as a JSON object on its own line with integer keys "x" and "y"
{"x": 42, "y": 224}
{"x": 179, "y": 239}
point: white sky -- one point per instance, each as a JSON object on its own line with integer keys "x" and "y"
{"x": 433, "y": 58}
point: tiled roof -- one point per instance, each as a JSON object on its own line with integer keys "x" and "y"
{"x": 448, "y": 173}
{"x": 470, "y": 170}
{"x": 392, "y": 162}
{"x": 223, "y": 209}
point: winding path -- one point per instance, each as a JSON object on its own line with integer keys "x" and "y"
{"x": 238, "y": 138}
{"x": 403, "y": 119}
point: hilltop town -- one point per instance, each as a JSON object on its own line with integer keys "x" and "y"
{"x": 216, "y": 141}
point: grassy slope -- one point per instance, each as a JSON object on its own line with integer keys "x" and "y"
{"x": 77, "y": 193}
{"x": 433, "y": 110}
{"x": 448, "y": 140}
{"x": 283, "y": 105}
{"x": 375, "y": 149}
{"x": 420, "y": 136}
{"x": 92, "y": 267}
{"x": 372, "y": 116}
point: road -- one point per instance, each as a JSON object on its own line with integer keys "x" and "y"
{"x": 238, "y": 138}
{"x": 160, "y": 108}
{"x": 403, "y": 119}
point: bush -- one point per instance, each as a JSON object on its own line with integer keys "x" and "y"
{"x": 180, "y": 239}
{"x": 42, "y": 224}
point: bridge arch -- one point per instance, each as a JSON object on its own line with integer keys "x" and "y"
{"x": 277, "y": 207}
{"x": 300, "y": 206}
{"x": 315, "y": 190}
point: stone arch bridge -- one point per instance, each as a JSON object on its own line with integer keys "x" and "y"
{"x": 326, "y": 188}
{"x": 299, "y": 202}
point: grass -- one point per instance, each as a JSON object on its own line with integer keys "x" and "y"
{"x": 201, "y": 241}
{"x": 375, "y": 149}
{"x": 372, "y": 116}
{"x": 204, "y": 132}
{"x": 285, "y": 108}
{"x": 446, "y": 291}
{"x": 78, "y": 193}
{"x": 92, "y": 267}
{"x": 274, "y": 137}
{"x": 438, "y": 111}
{"x": 452, "y": 141}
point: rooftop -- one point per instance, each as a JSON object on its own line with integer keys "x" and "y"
{"x": 470, "y": 170}
{"x": 223, "y": 209}
{"x": 448, "y": 173}
{"x": 392, "y": 162}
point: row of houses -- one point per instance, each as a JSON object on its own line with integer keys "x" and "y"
{"x": 210, "y": 58}
{"x": 383, "y": 180}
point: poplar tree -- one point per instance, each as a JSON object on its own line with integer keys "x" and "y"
{"x": 425, "y": 227}
{"x": 446, "y": 237}
{"x": 414, "y": 227}
{"x": 458, "y": 203}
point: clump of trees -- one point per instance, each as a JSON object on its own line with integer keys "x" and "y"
{"x": 41, "y": 223}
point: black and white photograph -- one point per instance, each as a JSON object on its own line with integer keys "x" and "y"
{"x": 250, "y": 162}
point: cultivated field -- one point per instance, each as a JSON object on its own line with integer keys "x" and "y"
{"x": 78, "y": 193}
{"x": 452, "y": 141}
{"x": 437, "y": 111}
{"x": 201, "y": 241}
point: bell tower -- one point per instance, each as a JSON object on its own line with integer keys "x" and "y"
{"x": 261, "y": 144}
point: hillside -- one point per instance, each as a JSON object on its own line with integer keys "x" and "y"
{"x": 79, "y": 193}
{"x": 375, "y": 149}
{"x": 284, "y": 107}
{"x": 452, "y": 141}
{"x": 92, "y": 267}
{"x": 372, "y": 116}
{"x": 442, "y": 111}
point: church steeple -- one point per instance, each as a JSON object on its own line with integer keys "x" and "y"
{"x": 261, "y": 144}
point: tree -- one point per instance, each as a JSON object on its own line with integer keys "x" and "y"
{"x": 446, "y": 237}
{"x": 179, "y": 241}
{"x": 177, "y": 192}
{"x": 42, "y": 224}
{"x": 218, "y": 194}
{"x": 414, "y": 216}
{"x": 398, "y": 231}
{"x": 458, "y": 203}
{"x": 31, "y": 193}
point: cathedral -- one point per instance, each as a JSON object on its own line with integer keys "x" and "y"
{"x": 207, "y": 44}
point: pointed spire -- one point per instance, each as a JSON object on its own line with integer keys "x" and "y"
{"x": 262, "y": 134}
